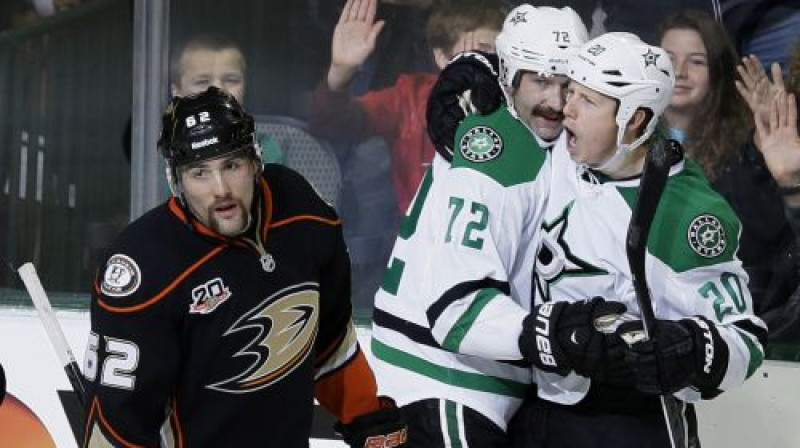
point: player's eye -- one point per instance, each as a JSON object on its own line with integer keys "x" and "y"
{"x": 232, "y": 165}
{"x": 198, "y": 173}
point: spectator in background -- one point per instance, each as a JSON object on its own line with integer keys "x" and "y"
{"x": 396, "y": 113}
{"x": 216, "y": 60}
{"x": 774, "y": 107}
{"x": 705, "y": 67}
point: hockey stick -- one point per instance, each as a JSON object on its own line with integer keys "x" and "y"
{"x": 34, "y": 286}
{"x": 660, "y": 158}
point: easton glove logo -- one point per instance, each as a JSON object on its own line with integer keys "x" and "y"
{"x": 707, "y": 236}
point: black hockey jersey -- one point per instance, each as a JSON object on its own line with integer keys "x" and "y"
{"x": 202, "y": 340}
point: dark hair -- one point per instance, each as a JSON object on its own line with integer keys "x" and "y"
{"x": 449, "y": 18}
{"x": 723, "y": 123}
{"x": 206, "y": 41}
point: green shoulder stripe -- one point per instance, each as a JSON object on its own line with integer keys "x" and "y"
{"x": 499, "y": 146}
{"x": 694, "y": 226}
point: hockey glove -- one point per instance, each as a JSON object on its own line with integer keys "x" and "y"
{"x": 563, "y": 336}
{"x": 468, "y": 84}
{"x": 687, "y": 352}
{"x": 384, "y": 427}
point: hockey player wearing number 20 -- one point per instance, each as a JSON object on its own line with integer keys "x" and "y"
{"x": 220, "y": 315}
{"x": 457, "y": 291}
{"x": 705, "y": 338}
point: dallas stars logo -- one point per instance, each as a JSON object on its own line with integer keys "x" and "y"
{"x": 519, "y": 17}
{"x": 707, "y": 236}
{"x": 650, "y": 58}
{"x": 555, "y": 260}
{"x": 481, "y": 144}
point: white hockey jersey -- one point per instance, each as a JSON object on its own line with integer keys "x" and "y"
{"x": 691, "y": 263}
{"x": 459, "y": 282}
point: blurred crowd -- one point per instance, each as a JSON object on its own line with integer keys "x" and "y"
{"x": 737, "y": 65}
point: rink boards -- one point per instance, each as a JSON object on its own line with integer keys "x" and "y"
{"x": 764, "y": 412}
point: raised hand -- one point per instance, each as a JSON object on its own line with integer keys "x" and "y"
{"x": 756, "y": 87}
{"x": 353, "y": 41}
{"x": 778, "y": 140}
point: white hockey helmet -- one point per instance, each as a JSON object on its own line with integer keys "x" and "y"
{"x": 537, "y": 39}
{"x": 621, "y": 66}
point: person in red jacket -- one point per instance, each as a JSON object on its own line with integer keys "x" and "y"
{"x": 396, "y": 113}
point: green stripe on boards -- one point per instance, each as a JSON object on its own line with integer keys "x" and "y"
{"x": 453, "y": 377}
{"x": 451, "y": 417}
{"x": 452, "y": 341}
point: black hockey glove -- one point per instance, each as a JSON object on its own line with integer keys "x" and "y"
{"x": 384, "y": 427}
{"x": 687, "y": 352}
{"x": 449, "y": 102}
{"x": 563, "y": 336}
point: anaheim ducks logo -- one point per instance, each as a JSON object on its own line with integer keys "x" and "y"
{"x": 286, "y": 325}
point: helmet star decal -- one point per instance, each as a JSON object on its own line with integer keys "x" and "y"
{"x": 519, "y": 17}
{"x": 650, "y": 58}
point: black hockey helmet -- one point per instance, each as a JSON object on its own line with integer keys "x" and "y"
{"x": 204, "y": 126}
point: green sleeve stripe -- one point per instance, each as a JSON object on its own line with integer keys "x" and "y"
{"x": 409, "y": 224}
{"x": 451, "y": 419}
{"x": 456, "y": 335}
{"x": 392, "y": 276}
{"x": 453, "y": 377}
{"x": 756, "y": 355}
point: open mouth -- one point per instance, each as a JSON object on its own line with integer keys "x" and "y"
{"x": 571, "y": 138}
{"x": 226, "y": 210}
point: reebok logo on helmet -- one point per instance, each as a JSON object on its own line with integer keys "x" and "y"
{"x": 204, "y": 143}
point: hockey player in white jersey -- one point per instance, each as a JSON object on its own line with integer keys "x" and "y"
{"x": 450, "y": 312}
{"x": 706, "y": 339}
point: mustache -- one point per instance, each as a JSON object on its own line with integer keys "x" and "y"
{"x": 547, "y": 112}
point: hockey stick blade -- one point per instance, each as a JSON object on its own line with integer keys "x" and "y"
{"x": 54, "y": 332}
{"x": 660, "y": 158}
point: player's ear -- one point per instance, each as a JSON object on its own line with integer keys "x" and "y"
{"x": 173, "y": 89}
{"x": 636, "y": 124}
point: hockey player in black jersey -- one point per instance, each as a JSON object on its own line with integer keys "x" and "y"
{"x": 219, "y": 316}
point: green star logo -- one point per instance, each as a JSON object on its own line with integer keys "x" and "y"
{"x": 555, "y": 259}
{"x": 707, "y": 236}
{"x": 481, "y": 144}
